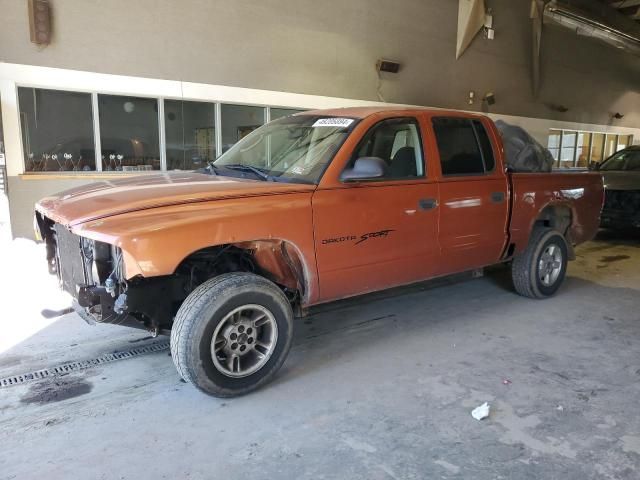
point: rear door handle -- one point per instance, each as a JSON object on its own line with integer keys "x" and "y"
{"x": 497, "y": 197}
{"x": 427, "y": 203}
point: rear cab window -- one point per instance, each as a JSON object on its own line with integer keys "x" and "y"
{"x": 464, "y": 146}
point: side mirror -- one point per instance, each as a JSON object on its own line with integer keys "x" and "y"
{"x": 365, "y": 168}
{"x": 594, "y": 166}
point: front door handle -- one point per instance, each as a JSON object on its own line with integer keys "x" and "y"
{"x": 427, "y": 203}
{"x": 497, "y": 197}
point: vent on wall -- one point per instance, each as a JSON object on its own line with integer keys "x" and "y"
{"x": 40, "y": 22}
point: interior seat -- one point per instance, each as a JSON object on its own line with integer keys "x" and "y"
{"x": 403, "y": 163}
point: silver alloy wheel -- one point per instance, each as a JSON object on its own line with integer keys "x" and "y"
{"x": 244, "y": 340}
{"x": 550, "y": 265}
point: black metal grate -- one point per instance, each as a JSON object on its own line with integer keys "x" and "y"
{"x": 82, "y": 365}
{"x": 624, "y": 200}
{"x": 70, "y": 263}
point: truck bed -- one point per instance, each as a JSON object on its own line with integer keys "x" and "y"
{"x": 580, "y": 192}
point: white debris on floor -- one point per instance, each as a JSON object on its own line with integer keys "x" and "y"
{"x": 481, "y": 412}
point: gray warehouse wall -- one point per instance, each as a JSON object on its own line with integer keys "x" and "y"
{"x": 330, "y": 48}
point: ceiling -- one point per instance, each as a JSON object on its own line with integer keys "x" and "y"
{"x": 629, "y": 8}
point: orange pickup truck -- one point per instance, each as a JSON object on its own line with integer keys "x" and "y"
{"x": 308, "y": 209}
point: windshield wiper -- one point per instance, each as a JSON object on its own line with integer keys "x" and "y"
{"x": 249, "y": 168}
{"x": 212, "y": 168}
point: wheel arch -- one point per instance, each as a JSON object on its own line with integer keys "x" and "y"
{"x": 559, "y": 216}
{"x": 280, "y": 261}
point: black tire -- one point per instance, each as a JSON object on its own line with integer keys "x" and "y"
{"x": 206, "y": 307}
{"x": 525, "y": 269}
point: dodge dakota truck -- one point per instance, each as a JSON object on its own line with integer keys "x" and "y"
{"x": 308, "y": 209}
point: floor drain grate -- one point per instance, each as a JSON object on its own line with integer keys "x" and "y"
{"x": 75, "y": 366}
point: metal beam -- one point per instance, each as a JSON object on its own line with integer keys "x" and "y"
{"x": 536, "y": 15}
{"x": 471, "y": 15}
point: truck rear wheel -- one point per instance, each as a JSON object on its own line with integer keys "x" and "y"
{"x": 232, "y": 334}
{"x": 539, "y": 271}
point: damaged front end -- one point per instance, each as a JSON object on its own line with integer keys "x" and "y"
{"x": 93, "y": 273}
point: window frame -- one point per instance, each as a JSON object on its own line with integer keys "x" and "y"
{"x": 97, "y": 158}
{"x": 408, "y": 119}
{"x": 160, "y": 99}
{"x": 470, "y": 121}
{"x": 591, "y": 146}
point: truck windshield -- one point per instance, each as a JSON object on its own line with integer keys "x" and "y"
{"x": 625, "y": 161}
{"x": 293, "y": 149}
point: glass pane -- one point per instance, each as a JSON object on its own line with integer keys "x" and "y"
{"x": 458, "y": 147}
{"x": 283, "y": 112}
{"x": 190, "y": 134}
{"x": 554, "y": 153}
{"x": 2, "y": 160}
{"x": 485, "y": 144}
{"x": 583, "y": 149}
{"x": 624, "y": 141}
{"x": 597, "y": 147}
{"x": 568, "y": 150}
{"x": 129, "y": 133}
{"x": 610, "y": 145}
{"x": 237, "y": 122}
{"x": 554, "y": 139}
{"x": 301, "y": 147}
{"x": 57, "y": 130}
{"x": 397, "y": 142}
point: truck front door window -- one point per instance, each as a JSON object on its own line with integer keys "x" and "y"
{"x": 397, "y": 142}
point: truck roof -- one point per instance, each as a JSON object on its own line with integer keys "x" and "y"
{"x": 363, "y": 112}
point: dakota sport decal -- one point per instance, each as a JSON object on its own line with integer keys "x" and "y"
{"x": 358, "y": 241}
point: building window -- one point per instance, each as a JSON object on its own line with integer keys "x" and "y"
{"x": 238, "y": 121}
{"x": 624, "y": 141}
{"x": 277, "y": 113}
{"x": 597, "y": 148}
{"x": 554, "y": 143}
{"x": 190, "y": 134}
{"x": 610, "y": 145}
{"x": 57, "y": 130}
{"x": 568, "y": 148}
{"x": 571, "y": 148}
{"x": 129, "y": 133}
{"x": 582, "y": 152}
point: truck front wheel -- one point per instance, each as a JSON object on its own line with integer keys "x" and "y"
{"x": 232, "y": 334}
{"x": 539, "y": 271}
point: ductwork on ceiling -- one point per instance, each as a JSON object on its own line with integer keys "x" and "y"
{"x": 597, "y": 20}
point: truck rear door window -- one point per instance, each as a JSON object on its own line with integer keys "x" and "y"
{"x": 485, "y": 145}
{"x": 459, "y": 143}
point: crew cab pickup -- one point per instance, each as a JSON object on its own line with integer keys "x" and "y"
{"x": 308, "y": 209}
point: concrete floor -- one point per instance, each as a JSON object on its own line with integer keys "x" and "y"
{"x": 376, "y": 388}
